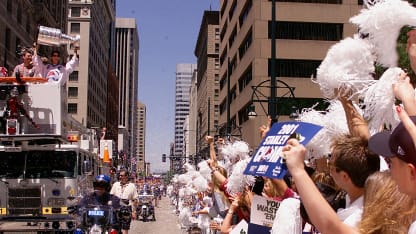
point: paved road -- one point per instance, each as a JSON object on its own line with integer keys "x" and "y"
{"x": 166, "y": 221}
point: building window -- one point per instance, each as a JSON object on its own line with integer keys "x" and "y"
{"x": 217, "y": 64}
{"x": 217, "y": 48}
{"x": 76, "y": 11}
{"x": 224, "y": 5}
{"x": 72, "y": 92}
{"x": 296, "y": 68}
{"x": 73, "y": 77}
{"x": 308, "y": 31}
{"x": 243, "y": 114}
{"x": 232, "y": 10}
{"x": 217, "y": 33}
{"x": 245, "y": 12}
{"x": 75, "y": 27}
{"x": 245, "y": 79}
{"x": 72, "y": 108}
{"x": 245, "y": 44}
{"x": 223, "y": 81}
{"x": 232, "y": 37}
{"x": 223, "y": 30}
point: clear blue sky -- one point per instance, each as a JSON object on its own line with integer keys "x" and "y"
{"x": 168, "y": 30}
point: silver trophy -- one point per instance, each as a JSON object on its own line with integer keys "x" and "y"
{"x": 55, "y": 37}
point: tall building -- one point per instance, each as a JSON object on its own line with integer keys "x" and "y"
{"x": 184, "y": 73}
{"x": 19, "y": 21}
{"x": 208, "y": 63}
{"x": 127, "y": 63}
{"x": 141, "y": 138}
{"x": 190, "y": 126}
{"x": 88, "y": 86}
{"x": 304, "y": 30}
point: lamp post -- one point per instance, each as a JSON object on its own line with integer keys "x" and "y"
{"x": 259, "y": 91}
{"x": 272, "y": 98}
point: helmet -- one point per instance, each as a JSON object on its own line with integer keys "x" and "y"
{"x": 102, "y": 181}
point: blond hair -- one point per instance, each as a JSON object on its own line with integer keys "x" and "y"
{"x": 386, "y": 210}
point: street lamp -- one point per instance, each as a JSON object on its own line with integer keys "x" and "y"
{"x": 261, "y": 95}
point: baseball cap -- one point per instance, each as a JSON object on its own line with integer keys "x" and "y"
{"x": 397, "y": 143}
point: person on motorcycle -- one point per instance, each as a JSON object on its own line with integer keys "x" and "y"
{"x": 126, "y": 191}
{"x": 101, "y": 195}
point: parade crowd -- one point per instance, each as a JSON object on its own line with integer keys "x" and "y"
{"x": 356, "y": 175}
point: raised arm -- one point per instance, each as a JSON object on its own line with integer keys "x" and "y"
{"x": 212, "y": 154}
{"x": 404, "y": 91}
{"x": 320, "y": 212}
{"x": 411, "y": 48}
{"x": 356, "y": 123}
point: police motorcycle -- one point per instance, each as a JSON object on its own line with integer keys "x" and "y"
{"x": 102, "y": 217}
{"x": 145, "y": 207}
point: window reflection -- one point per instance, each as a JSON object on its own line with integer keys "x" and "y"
{"x": 37, "y": 164}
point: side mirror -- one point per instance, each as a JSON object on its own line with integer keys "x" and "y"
{"x": 86, "y": 167}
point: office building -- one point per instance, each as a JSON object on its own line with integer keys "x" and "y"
{"x": 304, "y": 31}
{"x": 127, "y": 62}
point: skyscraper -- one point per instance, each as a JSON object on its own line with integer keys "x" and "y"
{"x": 184, "y": 74}
{"x": 127, "y": 62}
{"x": 88, "y": 85}
{"x": 141, "y": 136}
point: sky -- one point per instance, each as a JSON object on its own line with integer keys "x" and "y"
{"x": 168, "y": 30}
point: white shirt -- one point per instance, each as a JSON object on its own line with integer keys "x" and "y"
{"x": 56, "y": 73}
{"x": 412, "y": 229}
{"x": 126, "y": 191}
{"x": 351, "y": 215}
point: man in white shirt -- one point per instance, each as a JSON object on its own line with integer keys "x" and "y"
{"x": 350, "y": 164}
{"x": 125, "y": 191}
{"x": 55, "y": 71}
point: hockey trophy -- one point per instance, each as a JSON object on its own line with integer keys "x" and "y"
{"x": 55, "y": 37}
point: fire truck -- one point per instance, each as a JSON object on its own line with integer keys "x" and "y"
{"x": 47, "y": 158}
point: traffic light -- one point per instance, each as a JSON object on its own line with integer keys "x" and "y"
{"x": 163, "y": 157}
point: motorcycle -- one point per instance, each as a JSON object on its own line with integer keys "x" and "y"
{"x": 96, "y": 220}
{"x": 145, "y": 208}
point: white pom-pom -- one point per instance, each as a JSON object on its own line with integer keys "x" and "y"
{"x": 205, "y": 170}
{"x": 200, "y": 184}
{"x": 348, "y": 63}
{"x": 184, "y": 217}
{"x": 319, "y": 144}
{"x": 184, "y": 179}
{"x": 379, "y": 101}
{"x": 237, "y": 180}
{"x": 240, "y": 149}
{"x": 382, "y": 22}
{"x": 189, "y": 167}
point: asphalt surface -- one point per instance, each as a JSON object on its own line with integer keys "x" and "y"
{"x": 166, "y": 221}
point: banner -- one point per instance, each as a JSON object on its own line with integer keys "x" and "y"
{"x": 267, "y": 161}
{"x": 263, "y": 211}
{"x": 106, "y": 146}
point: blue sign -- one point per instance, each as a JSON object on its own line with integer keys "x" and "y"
{"x": 268, "y": 161}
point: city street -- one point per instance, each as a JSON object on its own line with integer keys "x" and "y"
{"x": 166, "y": 221}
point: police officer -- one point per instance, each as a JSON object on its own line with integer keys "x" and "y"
{"x": 101, "y": 195}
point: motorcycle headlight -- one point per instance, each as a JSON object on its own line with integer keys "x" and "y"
{"x": 96, "y": 229}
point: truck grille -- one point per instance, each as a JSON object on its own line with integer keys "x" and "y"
{"x": 24, "y": 201}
